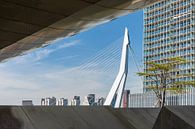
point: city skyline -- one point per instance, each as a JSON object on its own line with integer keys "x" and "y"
{"x": 89, "y": 100}
{"x": 51, "y": 71}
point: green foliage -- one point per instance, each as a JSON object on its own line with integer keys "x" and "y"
{"x": 164, "y": 74}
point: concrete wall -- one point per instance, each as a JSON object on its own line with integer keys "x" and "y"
{"x": 59, "y": 117}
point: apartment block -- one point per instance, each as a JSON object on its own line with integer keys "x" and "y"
{"x": 169, "y": 31}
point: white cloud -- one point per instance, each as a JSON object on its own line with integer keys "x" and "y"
{"x": 45, "y": 81}
{"x": 70, "y": 44}
{"x": 66, "y": 57}
{"x": 44, "y": 52}
{"x": 59, "y": 82}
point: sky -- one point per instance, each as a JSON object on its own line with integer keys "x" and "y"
{"x": 84, "y": 63}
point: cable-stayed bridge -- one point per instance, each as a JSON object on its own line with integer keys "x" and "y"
{"x": 106, "y": 63}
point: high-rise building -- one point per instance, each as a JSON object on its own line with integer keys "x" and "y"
{"x": 62, "y": 102}
{"x": 101, "y": 101}
{"x": 43, "y": 102}
{"x": 90, "y": 99}
{"x": 85, "y": 101}
{"x": 27, "y": 103}
{"x": 75, "y": 101}
{"x": 48, "y": 101}
{"x": 169, "y": 31}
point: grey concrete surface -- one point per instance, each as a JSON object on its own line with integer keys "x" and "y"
{"x": 57, "y": 117}
{"x": 44, "y": 117}
{"x": 72, "y": 118}
{"x": 181, "y": 117}
{"x": 30, "y": 24}
{"x": 186, "y": 113}
{"x": 140, "y": 118}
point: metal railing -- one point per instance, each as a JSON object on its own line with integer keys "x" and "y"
{"x": 149, "y": 99}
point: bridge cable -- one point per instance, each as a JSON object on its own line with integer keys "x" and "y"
{"x": 134, "y": 60}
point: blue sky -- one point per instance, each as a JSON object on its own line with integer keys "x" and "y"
{"x": 85, "y": 63}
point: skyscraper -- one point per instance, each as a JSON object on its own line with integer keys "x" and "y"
{"x": 101, "y": 101}
{"x": 89, "y": 100}
{"x": 169, "y": 31}
{"x": 62, "y": 102}
{"x": 48, "y": 101}
{"x": 76, "y": 101}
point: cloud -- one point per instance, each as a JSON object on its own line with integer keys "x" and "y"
{"x": 66, "y": 57}
{"x": 45, "y": 52}
{"x": 42, "y": 54}
{"x": 95, "y": 75}
{"x": 60, "y": 83}
{"x": 70, "y": 44}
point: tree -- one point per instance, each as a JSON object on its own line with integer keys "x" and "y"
{"x": 163, "y": 77}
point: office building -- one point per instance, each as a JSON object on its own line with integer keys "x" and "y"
{"x": 76, "y": 101}
{"x": 85, "y": 101}
{"x": 169, "y": 31}
{"x": 27, "y": 103}
{"x": 100, "y": 101}
{"x": 62, "y": 102}
{"x": 48, "y": 101}
{"x": 90, "y": 100}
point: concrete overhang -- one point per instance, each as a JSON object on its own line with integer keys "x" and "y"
{"x": 26, "y": 25}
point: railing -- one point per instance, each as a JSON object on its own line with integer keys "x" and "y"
{"x": 149, "y": 99}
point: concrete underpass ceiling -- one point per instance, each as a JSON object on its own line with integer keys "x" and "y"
{"x": 25, "y": 25}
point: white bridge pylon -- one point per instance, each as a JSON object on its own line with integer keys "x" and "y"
{"x": 114, "y": 97}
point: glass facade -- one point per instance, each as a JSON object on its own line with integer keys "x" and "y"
{"x": 169, "y": 31}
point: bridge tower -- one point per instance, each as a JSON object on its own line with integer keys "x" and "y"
{"x": 114, "y": 97}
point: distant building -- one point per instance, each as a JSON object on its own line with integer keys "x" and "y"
{"x": 125, "y": 99}
{"x": 27, "y": 103}
{"x": 62, "y": 102}
{"x": 75, "y": 101}
{"x": 90, "y": 100}
{"x": 86, "y": 102}
{"x": 101, "y": 101}
{"x": 48, "y": 101}
{"x": 43, "y": 101}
